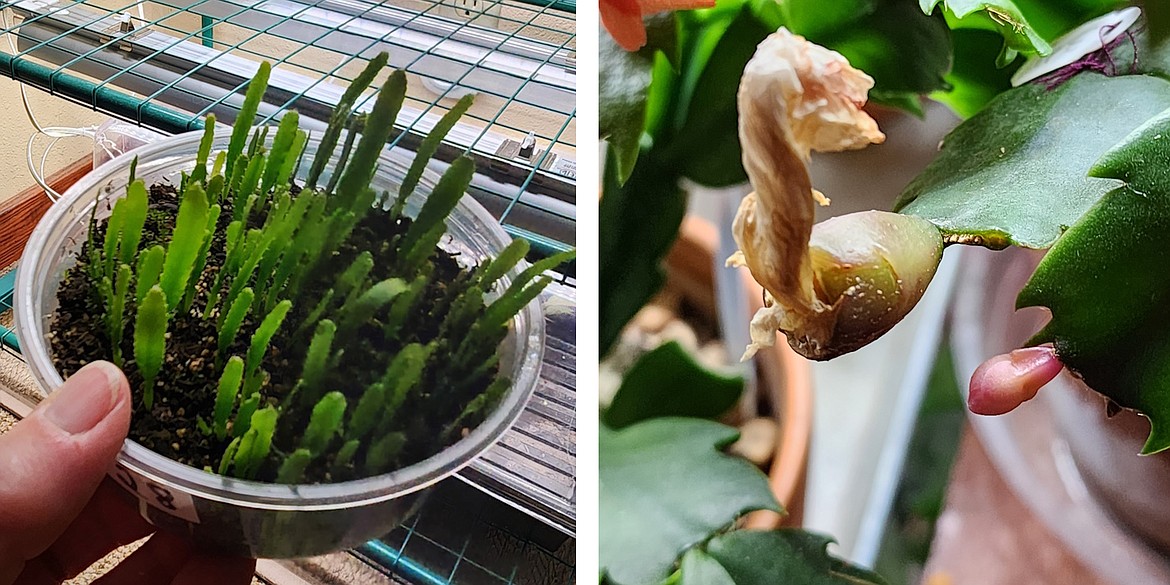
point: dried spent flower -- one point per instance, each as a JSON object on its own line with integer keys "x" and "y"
{"x": 862, "y": 272}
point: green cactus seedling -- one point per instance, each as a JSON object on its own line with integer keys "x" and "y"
{"x": 298, "y": 333}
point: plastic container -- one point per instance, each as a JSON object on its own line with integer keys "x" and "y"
{"x": 246, "y": 517}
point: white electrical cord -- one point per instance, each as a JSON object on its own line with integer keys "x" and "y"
{"x": 54, "y": 132}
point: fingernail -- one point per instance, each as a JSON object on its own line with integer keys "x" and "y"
{"x": 85, "y": 398}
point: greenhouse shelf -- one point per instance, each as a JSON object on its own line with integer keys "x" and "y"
{"x": 167, "y": 64}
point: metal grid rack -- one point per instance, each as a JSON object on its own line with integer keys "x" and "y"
{"x": 8, "y": 341}
{"x": 166, "y": 64}
{"x": 461, "y": 538}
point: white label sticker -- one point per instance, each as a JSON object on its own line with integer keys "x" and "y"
{"x": 163, "y": 498}
{"x": 565, "y": 167}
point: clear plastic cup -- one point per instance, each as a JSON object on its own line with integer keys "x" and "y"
{"x": 246, "y": 517}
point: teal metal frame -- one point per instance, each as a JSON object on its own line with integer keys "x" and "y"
{"x": 8, "y": 337}
{"x": 539, "y": 24}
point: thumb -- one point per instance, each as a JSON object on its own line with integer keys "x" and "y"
{"x": 52, "y": 461}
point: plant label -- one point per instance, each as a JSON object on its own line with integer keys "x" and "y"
{"x": 156, "y": 495}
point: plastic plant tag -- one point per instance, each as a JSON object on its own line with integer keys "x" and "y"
{"x": 1078, "y": 43}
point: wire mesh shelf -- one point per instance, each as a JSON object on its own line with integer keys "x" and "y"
{"x": 460, "y": 538}
{"x": 8, "y": 341}
{"x": 166, "y": 64}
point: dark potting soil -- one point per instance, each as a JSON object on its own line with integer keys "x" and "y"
{"x": 186, "y": 386}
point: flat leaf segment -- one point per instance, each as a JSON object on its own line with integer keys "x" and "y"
{"x": 1107, "y": 285}
{"x": 763, "y": 558}
{"x": 666, "y": 487}
{"x": 1017, "y": 173}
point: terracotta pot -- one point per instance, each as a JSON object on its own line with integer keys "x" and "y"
{"x": 784, "y": 377}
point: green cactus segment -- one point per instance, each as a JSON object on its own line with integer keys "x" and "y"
{"x": 503, "y": 309}
{"x": 255, "y": 444}
{"x": 217, "y": 167}
{"x": 199, "y": 173}
{"x": 308, "y": 236}
{"x": 258, "y": 139}
{"x": 233, "y": 319}
{"x": 150, "y": 329}
{"x": 381, "y": 454}
{"x": 356, "y": 124}
{"x": 113, "y": 234}
{"x": 345, "y": 456}
{"x": 1105, "y": 284}
{"x": 247, "y": 114}
{"x": 183, "y": 250}
{"x": 1000, "y": 16}
{"x": 150, "y": 265}
{"x": 429, "y": 146}
{"x": 352, "y": 282}
{"x": 316, "y": 314}
{"x": 229, "y": 454}
{"x": 243, "y": 420}
{"x": 404, "y": 373}
{"x": 281, "y": 150}
{"x": 249, "y": 183}
{"x": 380, "y": 123}
{"x": 462, "y": 313}
{"x": 402, "y": 305}
{"x": 540, "y": 267}
{"x": 263, "y": 335}
{"x": 340, "y": 221}
{"x": 280, "y": 232}
{"x": 527, "y": 286}
{"x": 234, "y": 247}
{"x": 215, "y": 187}
{"x": 341, "y": 114}
{"x": 235, "y": 181}
{"x": 294, "y": 156}
{"x": 422, "y": 249}
{"x": 368, "y": 412}
{"x": 324, "y": 423}
{"x": 201, "y": 259}
{"x": 361, "y": 311}
{"x": 494, "y": 269}
{"x": 225, "y": 397}
{"x": 452, "y": 185}
{"x": 117, "y": 311}
{"x": 481, "y": 403}
{"x": 134, "y": 206}
{"x": 317, "y": 360}
{"x": 254, "y": 382}
{"x": 255, "y": 244}
{"x": 292, "y": 471}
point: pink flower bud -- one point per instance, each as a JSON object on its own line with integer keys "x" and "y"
{"x": 1006, "y": 381}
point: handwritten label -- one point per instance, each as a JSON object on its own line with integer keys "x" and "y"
{"x": 157, "y": 496}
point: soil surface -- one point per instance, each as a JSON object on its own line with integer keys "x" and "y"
{"x": 186, "y": 387}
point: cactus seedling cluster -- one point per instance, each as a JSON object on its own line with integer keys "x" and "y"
{"x": 287, "y": 331}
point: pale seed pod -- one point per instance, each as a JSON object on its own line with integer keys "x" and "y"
{"x": 869, "y": 269}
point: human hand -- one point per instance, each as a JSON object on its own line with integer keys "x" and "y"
{"x": 58, "y": 516}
